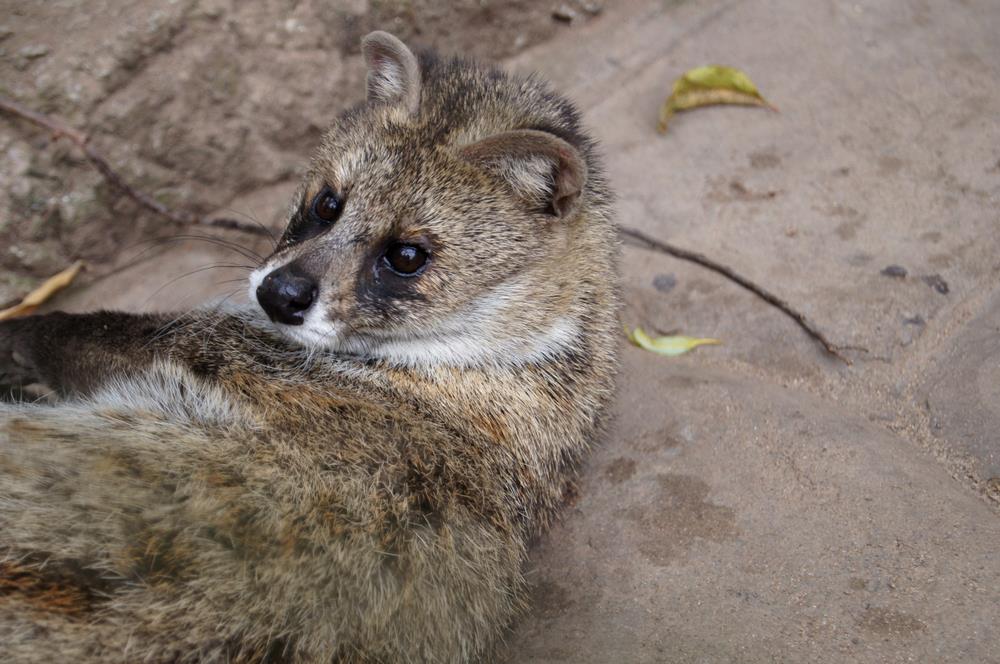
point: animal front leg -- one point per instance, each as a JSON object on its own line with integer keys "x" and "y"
{"x": 72, "y": 354}
{"x": 19, "y": 377}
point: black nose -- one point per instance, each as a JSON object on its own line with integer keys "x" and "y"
{"x": 285, "y": 295}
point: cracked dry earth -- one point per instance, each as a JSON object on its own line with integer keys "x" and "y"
{"x": 754, "y": 502}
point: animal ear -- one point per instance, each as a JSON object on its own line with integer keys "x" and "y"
{"x": 393, "y": 72}
{"x": 546, "y": 171}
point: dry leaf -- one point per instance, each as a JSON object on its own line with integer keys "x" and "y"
{"x": 705, "y": 86}
{"x": 40, "y": 295}
{"x": 670, "y": 346}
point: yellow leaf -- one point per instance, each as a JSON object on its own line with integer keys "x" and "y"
{"x": 670, "y": 346}
{"x": 705, "y": 86}
{"x": 40, "y": 295}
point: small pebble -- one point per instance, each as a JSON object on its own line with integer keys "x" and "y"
{"x": 34, "y": 51}
{"x": 895, "y": 271}
{"x": 913, "y": 327}
{"x": 664, "y": 282}
{"x": 564, "y": 13}
{"x": 860, "y": 258}
{"x": 936, "y": 282}
{"x": 592, "y": 8}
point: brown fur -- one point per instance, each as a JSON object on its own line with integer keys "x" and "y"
{"x": 215, "y": 488}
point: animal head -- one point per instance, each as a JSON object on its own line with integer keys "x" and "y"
{"x": 454, "y": 218}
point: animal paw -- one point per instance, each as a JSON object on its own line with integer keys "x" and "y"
{"x": 19, "y": 375}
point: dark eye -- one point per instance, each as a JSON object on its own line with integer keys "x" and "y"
{"x": 405, "y": 259}
{"x": 326, "y": 206}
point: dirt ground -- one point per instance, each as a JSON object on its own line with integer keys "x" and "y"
{"x": 755, "y": 502}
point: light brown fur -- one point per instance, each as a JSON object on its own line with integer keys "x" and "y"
{"x": 213, "y": 488}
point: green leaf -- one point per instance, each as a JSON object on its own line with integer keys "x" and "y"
{"x": 706, "y": 86}
{"x": 669, "y": 346}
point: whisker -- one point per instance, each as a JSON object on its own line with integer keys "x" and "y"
{"x": 230, "y": 281}
{"x": 222, "y": 242}
{"x": 214, "y": 266}
{"x": 217, "y": 308}
{"x": 246, "y": 252}
{"x": 157, "y": 242}
{"x": 253, "y": 220}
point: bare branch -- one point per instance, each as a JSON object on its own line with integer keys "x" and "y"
{"x": 60, "y": 129}
{"x": 684, "y": 254}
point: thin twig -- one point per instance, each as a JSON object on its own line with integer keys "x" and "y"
{"x": 60, "y": 129}
{"x": 764, "y": 294}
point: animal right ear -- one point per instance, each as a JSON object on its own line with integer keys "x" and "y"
{"x": 542, "y": 169}
{"x": 393, "y": 71}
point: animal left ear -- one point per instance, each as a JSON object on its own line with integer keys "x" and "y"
{"x": 544, "y": 170}
{"x": 393, "y": 71}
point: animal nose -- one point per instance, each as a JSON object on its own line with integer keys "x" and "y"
{"x": 285, "y": 296}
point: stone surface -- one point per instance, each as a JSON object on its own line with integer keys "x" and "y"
{"x": 728, "y": 519}
{"x": 757, "y": 501}
{"x": 962, "y": 392}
